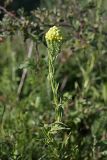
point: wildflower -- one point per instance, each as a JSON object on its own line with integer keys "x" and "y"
{"x": 54, "y": 40}
{"x": 54, "y": 34}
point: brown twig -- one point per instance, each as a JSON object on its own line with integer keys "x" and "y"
{"x": 7, "y": 12}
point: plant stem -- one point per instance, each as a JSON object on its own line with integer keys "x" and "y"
{"x": 54, "y": 85}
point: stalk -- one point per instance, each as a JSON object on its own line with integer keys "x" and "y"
{"x": 54, "y": 41}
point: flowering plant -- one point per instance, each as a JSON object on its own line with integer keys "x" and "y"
{"x": 54, "y": 40}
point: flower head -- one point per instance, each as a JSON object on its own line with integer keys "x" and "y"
{"x": 54, "y": 34}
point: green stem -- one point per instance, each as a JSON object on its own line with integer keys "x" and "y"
{"x": 52, "y": 79}
{"x": 54, "y": 85}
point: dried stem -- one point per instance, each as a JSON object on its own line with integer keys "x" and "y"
{"x": 24, "y": 74}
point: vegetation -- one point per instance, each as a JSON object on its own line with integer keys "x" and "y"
{"x": 53, "y": 81}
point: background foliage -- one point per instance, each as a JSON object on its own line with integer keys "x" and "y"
{"x": 27, "y": 111}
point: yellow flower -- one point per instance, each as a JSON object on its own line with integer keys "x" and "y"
{"x": 54, "y": 34}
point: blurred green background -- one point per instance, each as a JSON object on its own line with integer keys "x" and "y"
{"x": 26, "y": 107}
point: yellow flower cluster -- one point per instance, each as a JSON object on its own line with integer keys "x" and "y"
{"x": 54, "y": 34}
